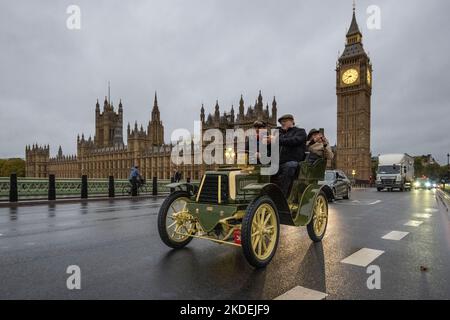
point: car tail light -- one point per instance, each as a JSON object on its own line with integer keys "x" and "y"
{"x": 237, "y": 236}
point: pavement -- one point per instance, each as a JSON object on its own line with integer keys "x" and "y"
{"x": 403, "y": 237}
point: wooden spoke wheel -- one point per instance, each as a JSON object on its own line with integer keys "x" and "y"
{"x": 260, "y": 232}
{"x": 175, "y": 224}
{"x": 318, "y": 224}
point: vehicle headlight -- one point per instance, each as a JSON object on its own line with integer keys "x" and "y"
{"x": 417, "y": 184}
{"x": 427, "y": 184}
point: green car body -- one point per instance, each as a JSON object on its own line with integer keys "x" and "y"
{"x": 239, "y": 187}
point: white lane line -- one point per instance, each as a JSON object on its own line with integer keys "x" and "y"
{"x": 395, "y": 235}
{"x": 363, "y": 257}
{"x": 431, "y": 210}
{"x": 423, "y": 215}
{"x": 1, "y": 234}
{"x": 302, "y": 293}
{"x": 413, "y": 223}
{"x": 375, "y": 202}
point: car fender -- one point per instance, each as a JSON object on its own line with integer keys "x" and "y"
{"x": 306, "y": 205}
{"x": 183, "y": 186}
{"x": 274, "y": 192}
{"x": 329, "y": 192}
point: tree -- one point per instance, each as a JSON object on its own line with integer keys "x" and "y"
{"x": 14, "y": 165}
{"x": 418, "y": 167}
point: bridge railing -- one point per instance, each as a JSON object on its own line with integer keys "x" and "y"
{"x": 14, "y": 188}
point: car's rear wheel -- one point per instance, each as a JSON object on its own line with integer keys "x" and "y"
{"x": 318, "y": 224}
{"x": 260, "y": 232}
{"x": 175, "y": 224}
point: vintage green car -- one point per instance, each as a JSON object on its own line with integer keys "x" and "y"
{"x": 241, "y": 207}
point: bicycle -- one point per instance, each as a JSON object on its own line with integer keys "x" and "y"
{"x": 141, "y": 189}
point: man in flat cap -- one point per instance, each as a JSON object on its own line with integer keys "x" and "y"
{"x": 254, "y": 154}
{"x": 292, "y": 141}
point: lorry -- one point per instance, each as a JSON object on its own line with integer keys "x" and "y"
{"x": 395, "y": 171}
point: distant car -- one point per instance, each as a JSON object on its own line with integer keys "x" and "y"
{"x": 338, "y": 183}
{"x": 424, "y": 183}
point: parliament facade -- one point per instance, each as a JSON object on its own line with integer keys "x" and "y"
{"x": 107, "y": 154}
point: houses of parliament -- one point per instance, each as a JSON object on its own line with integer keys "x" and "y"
{"x": 107, "y": 154}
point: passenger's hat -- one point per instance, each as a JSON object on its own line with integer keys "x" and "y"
{"x": 286, "y": 117}
{"x": 259, "y": 124}
{"x": 311, "y": 132}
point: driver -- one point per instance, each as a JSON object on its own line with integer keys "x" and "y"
{"x": 292, "y": 142}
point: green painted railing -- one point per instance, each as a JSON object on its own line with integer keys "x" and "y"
{"x": 37, "y": 188}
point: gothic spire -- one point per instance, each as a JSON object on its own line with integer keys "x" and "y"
{"x": 155, "y": 101}
{"x": 241, "y": 106}
{"x": 354, "y": 28}
{"x": 155, "y": 110}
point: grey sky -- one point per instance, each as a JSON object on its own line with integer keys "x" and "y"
{"x": 194, "y": 51}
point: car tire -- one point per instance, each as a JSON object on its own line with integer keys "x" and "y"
{"x": 162, "y": 220}
{"x": 347, "y": 196}
{"x": 314, "y": 234}
{"x": 250, "y": 227}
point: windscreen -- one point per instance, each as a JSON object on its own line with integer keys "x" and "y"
{"x": 389, "y": 169}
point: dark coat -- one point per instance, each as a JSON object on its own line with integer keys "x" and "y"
{"x": 292, "y": 145}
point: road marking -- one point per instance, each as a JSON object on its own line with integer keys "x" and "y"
{"x": 1, "y": 234}
{"x": 302, "y": 293}
{"x": 395, "y": 235}
{"x": 423, "y": 215}
{"x": 413, "y": 223}
{"x": 431, "y": 210}
{"x": 363, "y": 257}
{"x": 366, "y": 202}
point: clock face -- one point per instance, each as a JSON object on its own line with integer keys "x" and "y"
{"x": 369, "y": 77}
{"x": 350, "y": 76}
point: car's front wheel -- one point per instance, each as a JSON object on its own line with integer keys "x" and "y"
{"x": 260, "y": 232}
{"x": 175, "y": 224}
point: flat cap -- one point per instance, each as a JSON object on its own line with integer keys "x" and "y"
{"x": 286, "y": 117}
{"x": 259, "y": 124}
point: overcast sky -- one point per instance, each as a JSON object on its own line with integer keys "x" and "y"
{"x": 196, "y": 51}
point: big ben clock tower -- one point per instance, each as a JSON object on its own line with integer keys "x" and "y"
{"x": 354, "y": 91}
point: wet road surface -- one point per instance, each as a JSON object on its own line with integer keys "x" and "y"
{"x": 117, "y": 247}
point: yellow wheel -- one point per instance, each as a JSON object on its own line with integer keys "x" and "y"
{"x": 174, "y": 221}
{"x": 318, "y": 224}
{"x": 260, "y": 232}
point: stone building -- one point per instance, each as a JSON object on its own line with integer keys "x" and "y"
{"x": 106, "y": 154}
{"x": 354, "y": 91}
